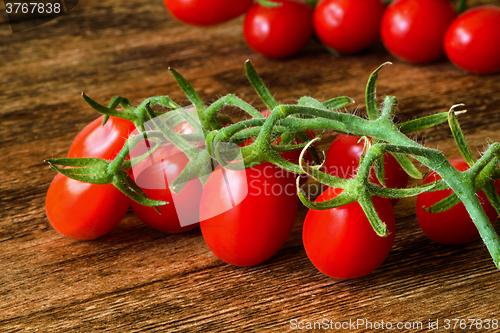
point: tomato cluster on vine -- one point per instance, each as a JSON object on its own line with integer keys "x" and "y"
{"x": 416, "y": 31}
{"x": 192, "y": 167}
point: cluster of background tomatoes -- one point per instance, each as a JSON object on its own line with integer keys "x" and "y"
{"x": 417, "y": 31}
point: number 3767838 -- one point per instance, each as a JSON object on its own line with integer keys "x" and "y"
{"x": 33, "y": 8}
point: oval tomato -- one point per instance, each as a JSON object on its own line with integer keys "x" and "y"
{"x": 341, "y": 243}
{"x": 100, "y": 141}
{"x": 342, "y": 160}
{"x": 472, "y": 41}
{"x": 348, "y": 26}
{"x": 206, "y": 12}
{"x": 278, "y": 32}
{"x": 247, "y": 215}
{"x": 153, "y": 176}
{"x": 413, "y": 30}
{"x": 84, "y": 211}
{"x": 453, "y": 226}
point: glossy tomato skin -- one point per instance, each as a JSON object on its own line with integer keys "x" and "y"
{"x": 100, "y": 141}
{"x": 453, "y": 226}
{"x": 413, "y": 30}
{"x": 84, "y": 211}
{"x": 278, "y": 32}
{"x": 206, "y": 12}
{"x": 472, "y": 41}
{"x": 246, "y": 216}
{"x": 348, "y": 26}
{"x": 342, "y": 160}
{"x": 153, "y": 175}
{"x": 341, "y": 243}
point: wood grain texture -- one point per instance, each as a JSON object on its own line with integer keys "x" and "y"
{"x": 136, "y": 279}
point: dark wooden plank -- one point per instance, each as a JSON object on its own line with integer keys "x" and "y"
{"x": 136, "y": 279}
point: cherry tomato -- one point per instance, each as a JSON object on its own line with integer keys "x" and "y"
{"x": 472, "y": 42}
{"x": 153, "y": 176}
{"x": 413, "y": 30}
{"x": 206, "y": 12}
{"x": 342, "y": 160}
{"x": 278, "y": 32}
{"x": 246, "y": 215}
{"x": 84, "y": 211}
{"x": 348, "y": 26}
{"x": 341, "y": 243}
{"x": 100, "y": 141}
{"x": 453, "y": 226}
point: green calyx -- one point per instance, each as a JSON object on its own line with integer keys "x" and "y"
{"x": 97, "y": 171}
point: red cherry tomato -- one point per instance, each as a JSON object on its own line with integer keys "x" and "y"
{"x": 348, "y": 26}
{"x": 341, "y": 243}
{"x": 414, "y": 30}
{"x": 206, "y": 12}
{"x": 472, "y": 42}
{"x": 100, "y": 141}
{"x": 153, "y": 176}
{"x": 84, "y": 211}
{"x": 278, "y": 32}
{"x": 246, "y": 216}
{"x": 342, "y": 160}
{"x": 453, "y": 226}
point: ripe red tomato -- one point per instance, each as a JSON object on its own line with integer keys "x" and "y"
{"x": 342, "y": 160}
{"x": 341, "y": 243}
{"x": 100, "y": 141}
{"x": 348, "y": 26}
{"x": 472, "y": 41}
{"x": 414, "y": 30}
{"x": 453, "y": 226}
{"x": 246, "y": 216}
{"x": 278, "y": 32}
{"x": 206, "y": 12}
{"x": 153, "y": 176}
{"x": 84, "y": 211}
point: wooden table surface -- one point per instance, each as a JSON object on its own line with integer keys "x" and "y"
{"x": 137, "y": 279}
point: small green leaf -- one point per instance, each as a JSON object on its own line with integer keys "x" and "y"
{"x": 379, "y": 170}
{"x": 443, "y": 205}
{"x": 125, "y": 103}
{"x": 312, "y": 102}
{"x": 107, "y": 111}
{"x": 423, "y": 123}
{"x": 338, "y": 102}
{"x": 113, "y": 103}
{"x": 459, "y": 137}
{"x": 189, "y": 91}
{"x": 400, "y": 192}
{"x": 408, "y": 166}
{"x": 370, "y": 93}
{"x": 87, "y": 175}
{"x": 259, "y": 86}
{"x": 366, "y": 203}
{"x": 341, "y": 200}
{"x": 126, "y": 185}
{"x": 79, "y": 162}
